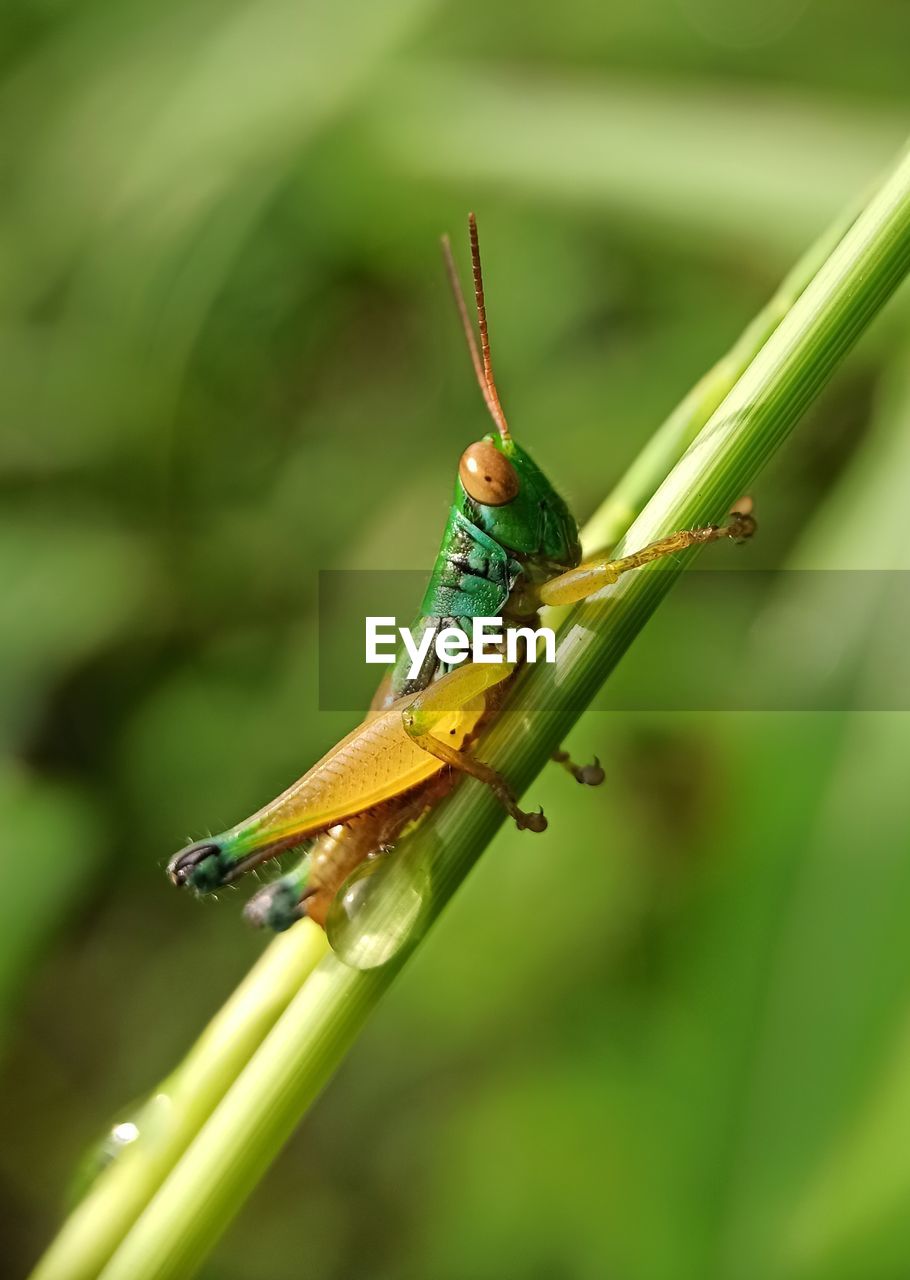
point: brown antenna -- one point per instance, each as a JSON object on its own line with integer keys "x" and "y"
{"x": 480, "y": 359}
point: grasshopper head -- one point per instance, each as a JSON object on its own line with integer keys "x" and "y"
{"x": 499, "y": 488}
{"x": 505, "y": 493}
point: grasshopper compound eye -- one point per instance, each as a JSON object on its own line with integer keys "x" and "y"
{"x": 488, "y": 477}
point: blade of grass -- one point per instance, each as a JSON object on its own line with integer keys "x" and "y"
{"x": 262, "y": 1108}
{"x": 181, "y": 1104}
{"x": 715, "y": 168}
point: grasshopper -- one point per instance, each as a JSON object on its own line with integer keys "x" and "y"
{"x": 509, "y": 548}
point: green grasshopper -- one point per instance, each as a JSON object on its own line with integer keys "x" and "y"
{"x": 510, "y": 547}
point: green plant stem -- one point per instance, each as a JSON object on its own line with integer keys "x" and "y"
{"x": 627, "y": 498}
{"x": 180, "y": 1106}
{"x": 261, "y": 1109}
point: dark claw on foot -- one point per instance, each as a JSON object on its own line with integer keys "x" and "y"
{"x": 532, "y": 822}
{"x": 590, "y": 775}
{"x": 742, "y": 522}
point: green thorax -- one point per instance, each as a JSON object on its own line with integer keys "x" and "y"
{"x": 473, "y": 575}
{"x": 487, "y": 551}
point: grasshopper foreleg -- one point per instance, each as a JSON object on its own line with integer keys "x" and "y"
{"x": 578, "y": 584}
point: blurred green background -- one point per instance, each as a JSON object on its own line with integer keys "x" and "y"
{"x": 671, "y": 1040}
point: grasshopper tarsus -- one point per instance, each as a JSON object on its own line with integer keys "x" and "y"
{"x": 530, "y": 821}
{"x": 588, "y": 775}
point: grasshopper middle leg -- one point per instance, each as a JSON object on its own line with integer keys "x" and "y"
{"x": 431, "y": 710}
{"x": 589, "y": 775}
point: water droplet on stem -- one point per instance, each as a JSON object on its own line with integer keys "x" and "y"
{"x": 380, "y": 911}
